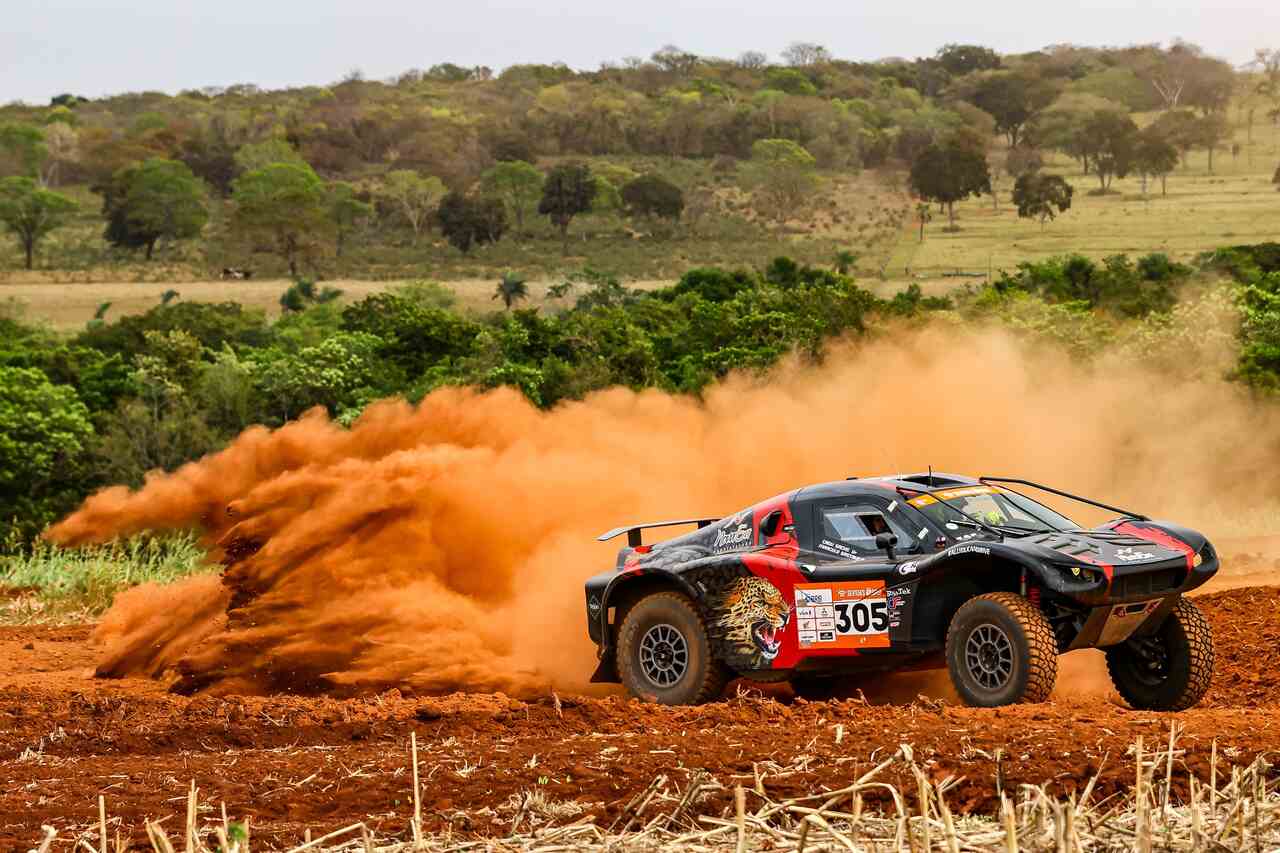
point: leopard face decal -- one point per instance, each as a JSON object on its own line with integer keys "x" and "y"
{"x": 753, "y": 615}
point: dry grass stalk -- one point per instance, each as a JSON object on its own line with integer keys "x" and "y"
{"x": 1249, "y": 819}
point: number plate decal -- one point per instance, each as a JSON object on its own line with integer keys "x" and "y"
{"x": 846, "y": 615}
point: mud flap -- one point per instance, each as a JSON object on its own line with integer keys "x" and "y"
{"x": 607, "y": 671}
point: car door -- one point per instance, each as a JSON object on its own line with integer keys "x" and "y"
{"x": 852, "y": 596}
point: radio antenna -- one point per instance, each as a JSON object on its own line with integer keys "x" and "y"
{"x": 931, "y": 475}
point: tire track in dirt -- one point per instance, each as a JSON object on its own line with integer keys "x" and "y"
{"x": 303, "y": 762}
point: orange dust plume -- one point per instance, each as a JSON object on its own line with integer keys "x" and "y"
{"x": 443, "y": 546}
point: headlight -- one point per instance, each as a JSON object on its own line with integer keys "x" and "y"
{"x": 1199, "y": 558}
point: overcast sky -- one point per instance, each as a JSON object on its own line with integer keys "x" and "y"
{"x": 96, "y": 47}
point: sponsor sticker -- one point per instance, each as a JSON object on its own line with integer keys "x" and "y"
{"x": 848, "y": 614}
{"x": 970, "y": 549}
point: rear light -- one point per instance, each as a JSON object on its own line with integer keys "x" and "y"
{"x": 642, "y": 549}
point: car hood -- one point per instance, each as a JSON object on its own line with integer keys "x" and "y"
{"x": 1127, "y": 543}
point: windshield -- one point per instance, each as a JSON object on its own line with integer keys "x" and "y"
{"x": 992, "y": 506}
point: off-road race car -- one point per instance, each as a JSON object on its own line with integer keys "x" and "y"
{"x": 823, "y": 584}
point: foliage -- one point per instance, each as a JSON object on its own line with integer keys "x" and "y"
{"x": 303, "y": 294}
{"x": 1154, "y": 157}
{"x": 346, "y": 211}
{"x": 518, "y": 184}
{"x": 1116, "y": 285}
{"x": 31, "y": 213}
{"x": 413, "y": 196}
{"x": 568, "y": 191}
{"x": 85, "y": 581}
{"x": 282, "y": 206}
{"x": 259, "y": 155}
{"x": 1109, "y": 142}
{"x": 24, "y": 146}
{"x": 511, "y": 289}
{"x": 783, "y": 174}
{"x": 44, "y": 431}
{"x": 950, "y": 171}
{"x": 1037, "y": 194}
{"x": 468, "y": 221}
{"x": 653, "y": 197}
{"x": 1012, "y": 98}
{"x": 151, "y": 201}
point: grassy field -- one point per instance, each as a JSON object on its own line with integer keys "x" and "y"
{"x": 52, "y": 584}
{"x": 1236, "y": 204}
{"x": 863, "y": 213}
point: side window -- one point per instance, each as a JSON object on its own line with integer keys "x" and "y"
{"x": 851, "y": 530}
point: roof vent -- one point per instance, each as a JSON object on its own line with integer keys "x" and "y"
{"x": 935, "y": 480}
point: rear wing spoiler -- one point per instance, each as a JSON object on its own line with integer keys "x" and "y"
{"x": 633, "y": 531}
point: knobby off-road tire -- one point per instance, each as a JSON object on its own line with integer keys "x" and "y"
{"x": 1171, "y": 669}
{"x": 1001, "y": 651}
{"x": 664, "y": 655}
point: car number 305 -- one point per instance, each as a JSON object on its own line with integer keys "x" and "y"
{"x": 862, "y": 617}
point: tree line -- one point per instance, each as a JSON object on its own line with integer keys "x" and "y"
{"x": 387, "y": 154}
{"x": 117, "y": 399}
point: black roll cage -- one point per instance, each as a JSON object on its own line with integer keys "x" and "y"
{"x": 1134, "y": 515}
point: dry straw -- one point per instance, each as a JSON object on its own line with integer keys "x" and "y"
{"x": 1242, "y": 813}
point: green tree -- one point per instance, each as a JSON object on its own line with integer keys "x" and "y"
{"x": 1154, "y": 157}
{"x": 1036, "y": 194}
{"x": 282, "y": 206}
{"x": 154, "y": 200}
{"x": 468, "y": 221}
{"x": 949, "y": 172}
{"x": 1013, "y": 98}
{"x": 783, "y": 174}
{"x": 259, "y": 155}
{"x": 961, "y": 59}
{"x": 44, "y": 432}
{"x": 31, "y": 213}
{"x": 512, "y": 288}
{"x": 568, "y": 191}
{"x": 1210, "y": 131}
{"x": 412, "y": 195}
{"x": 1110, "y": 141}
{"x": 519, "y": 186}
{"x": 1179, "y": 128}
{"x": 653, "y": 197}
{"x": 346, "y": 211}
{"x": 23, "y": 146}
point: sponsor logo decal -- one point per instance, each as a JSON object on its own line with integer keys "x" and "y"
{"x": 970, "y": 549}
{"x": 846, "y": 615}
{"x": 732, "y": 539}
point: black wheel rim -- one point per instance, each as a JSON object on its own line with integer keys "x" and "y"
{"x": 988, "y": 656}
{"x": 664, "y": 655}
{"x": 1150, "y": 660}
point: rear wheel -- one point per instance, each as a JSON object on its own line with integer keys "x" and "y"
{"x": 664, "y": 655}
{"x": 1169, "y": 670}
{"x": 1001, "y": 650}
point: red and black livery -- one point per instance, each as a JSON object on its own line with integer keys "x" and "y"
{"x": 825, "y": 583}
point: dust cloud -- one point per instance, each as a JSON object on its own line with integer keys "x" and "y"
{"x": 443, "y": 546}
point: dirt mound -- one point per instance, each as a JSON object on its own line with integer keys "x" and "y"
{"x": 1246, "y": 638}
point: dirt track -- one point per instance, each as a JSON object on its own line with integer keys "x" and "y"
{"x": 295, "y": 763}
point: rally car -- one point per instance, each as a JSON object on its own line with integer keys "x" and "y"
{"x": 823, "y": 584}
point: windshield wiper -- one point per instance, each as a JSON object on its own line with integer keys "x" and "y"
{"x": 967, "y": 520}
{"x": 1000, "y": 529}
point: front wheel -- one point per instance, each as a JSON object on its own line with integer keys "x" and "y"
{"x": 664, "y": 655}
{"x": 1169, "y": 670}
{"x": 1000, "y": 651}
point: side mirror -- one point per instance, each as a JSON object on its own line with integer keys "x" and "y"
{"x": 769, "y": 524}
{"x": 887, "y": 541}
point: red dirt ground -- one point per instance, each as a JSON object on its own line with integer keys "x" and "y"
{"x": 293, "y": 763}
